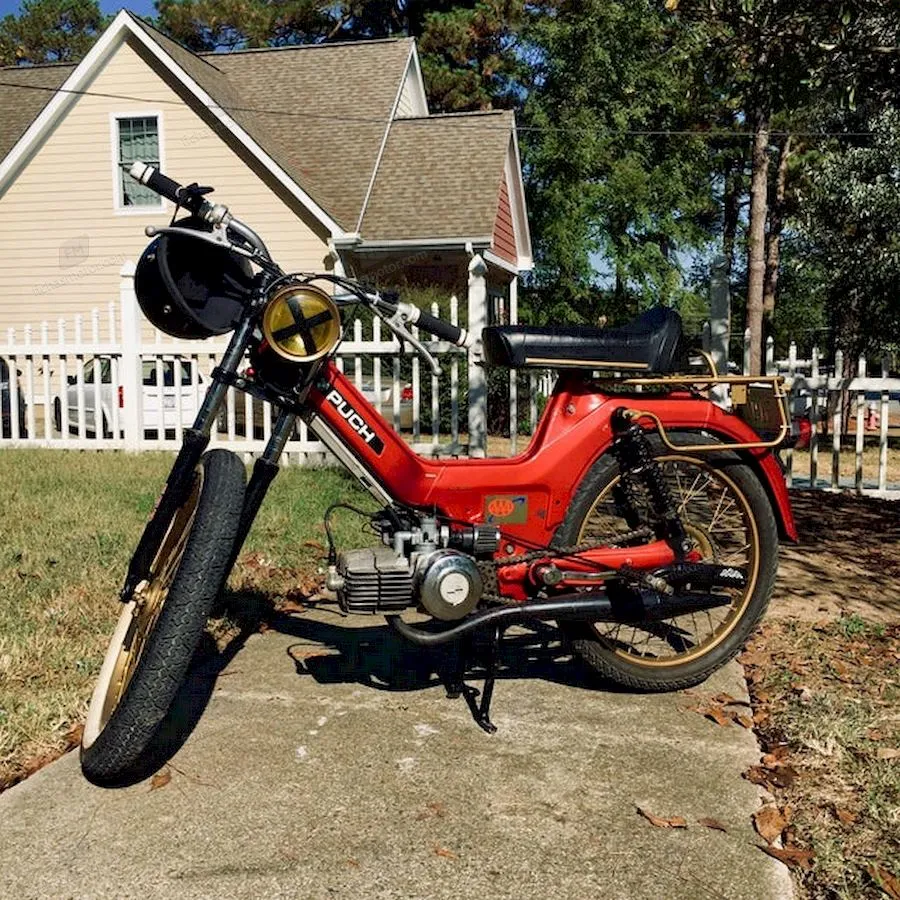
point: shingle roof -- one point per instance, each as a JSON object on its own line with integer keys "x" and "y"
{"x": 22, "y": 97}
{"x": 322, "y": 112}
{"x": 439, "y": 177}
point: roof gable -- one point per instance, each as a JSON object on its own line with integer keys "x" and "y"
{"x": 443, "y": 178}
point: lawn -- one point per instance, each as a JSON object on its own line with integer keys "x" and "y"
{"x": 70, "y": 521}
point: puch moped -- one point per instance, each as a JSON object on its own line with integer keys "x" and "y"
{"x": 643, "y": 518}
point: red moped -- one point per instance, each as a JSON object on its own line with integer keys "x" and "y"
{"x": 643, "y": 519}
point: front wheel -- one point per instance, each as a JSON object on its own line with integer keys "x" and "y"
{"x": 728, "y": 519}
{"x": 160, "y": 628}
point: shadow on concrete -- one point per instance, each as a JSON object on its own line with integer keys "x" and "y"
{"x": 333, "y": 652}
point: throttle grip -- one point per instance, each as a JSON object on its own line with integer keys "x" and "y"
{"x": 441, "y": 329}
{"x": 166, "y": 187}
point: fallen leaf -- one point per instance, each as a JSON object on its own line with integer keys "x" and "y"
{"x": 790, "y": 856}
{"x": 743, "y": 720}
{"x": 845, "y": 816}
{"x": 889, "y": 883}
{"x": 769, "y": 823}
{"x": 353, "y": 862}
{"x": 727, "y": 700}
{"x": 775, "y": 755}
{"x": 315, "y": 545}
{"x": 781, "y": 776}
{"x": 715, "y": 824}
{"x": 672, "y": 5}
{"x": 73, "y": 736}
{"x": 873, "y": 734}
{"x": 160, "y": 780}
{"x": 289, "y": 606}
{"x": 805, "y": 695}
{"x": 888, "y": 753}
{"x": 717, "y": 715}
{"x": 755, "y": 658}
{"x": 444, "y": 852}
{"x": 660, "y": 822}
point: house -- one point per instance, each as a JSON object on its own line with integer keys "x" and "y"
{"x": 328, "y": 151}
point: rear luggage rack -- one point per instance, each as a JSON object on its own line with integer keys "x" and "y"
{"x": 758, "y": 400}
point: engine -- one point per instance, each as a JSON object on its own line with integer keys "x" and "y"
{"x": 427, "y": 565}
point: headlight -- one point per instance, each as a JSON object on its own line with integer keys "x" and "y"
{"x": 301, "y": 323}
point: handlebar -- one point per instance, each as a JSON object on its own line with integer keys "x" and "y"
{"x": 439, "y": 328}
{"x": 166, "y": 187}
{"x": 191, "y": 198}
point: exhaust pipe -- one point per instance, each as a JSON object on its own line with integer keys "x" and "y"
{"x": 648, "y": 606}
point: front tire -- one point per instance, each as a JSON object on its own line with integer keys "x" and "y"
{"x": 729, "y": 518}
{"x": 159, "y": 630}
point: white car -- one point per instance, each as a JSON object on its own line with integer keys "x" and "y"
{"x": 110, "y": 396}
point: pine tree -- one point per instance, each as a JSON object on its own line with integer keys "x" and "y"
{"x": 50, "y": 31}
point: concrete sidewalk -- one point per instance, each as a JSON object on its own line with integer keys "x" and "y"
{"x": 327, "y": 762}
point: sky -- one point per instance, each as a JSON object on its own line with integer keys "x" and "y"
{"x": 141, "y": 7}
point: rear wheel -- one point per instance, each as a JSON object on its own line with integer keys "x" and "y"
{"x": 158, "y": 631}
{"x": 729, "y": 520}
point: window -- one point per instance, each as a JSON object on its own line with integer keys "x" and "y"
{"x": 137, "y": 139}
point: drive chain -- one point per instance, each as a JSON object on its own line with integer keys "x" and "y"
{"x": 489, "y": 568}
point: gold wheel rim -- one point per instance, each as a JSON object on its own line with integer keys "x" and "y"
{"x": 150, "y": 597}
{"x": 719, "y": 521}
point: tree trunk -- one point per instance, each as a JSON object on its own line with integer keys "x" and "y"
{"x": 731, "y": 212}
{"x": 756, "y": 251}
{"x": 776, "y": 225}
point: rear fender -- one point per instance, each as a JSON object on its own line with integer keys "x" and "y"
{"x": 730, "y": 429}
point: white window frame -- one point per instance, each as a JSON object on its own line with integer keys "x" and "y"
{"x": 119, "y": 206}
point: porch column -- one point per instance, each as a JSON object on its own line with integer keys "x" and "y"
{"x": 477, "y": 301}
{"x": 719, "y": 325}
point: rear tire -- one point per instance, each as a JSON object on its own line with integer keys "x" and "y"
{"x": 158, "y": 632}
{"x": 669, "y": 656}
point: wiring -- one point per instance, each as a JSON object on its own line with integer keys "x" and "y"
{"x": 696, "y": 134}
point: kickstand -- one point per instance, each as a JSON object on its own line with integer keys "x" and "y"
{"x": 481, "y": 711}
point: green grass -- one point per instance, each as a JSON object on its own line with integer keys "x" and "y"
{"x": 69, "y": 522}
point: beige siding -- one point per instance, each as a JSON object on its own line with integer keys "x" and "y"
{"x": 62, "y": 243}
{"x": 409, "y": 104}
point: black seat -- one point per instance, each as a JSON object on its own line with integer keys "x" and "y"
{"x": 653, "y": 342}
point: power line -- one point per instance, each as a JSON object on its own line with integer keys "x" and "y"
{"x": 708, "y": 134}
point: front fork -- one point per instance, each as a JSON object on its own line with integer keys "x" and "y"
{"x": 195, "y": 442}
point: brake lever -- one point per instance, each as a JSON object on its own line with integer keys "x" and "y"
{"x": 396, "y": 323}
{"x": 216, "y": 237}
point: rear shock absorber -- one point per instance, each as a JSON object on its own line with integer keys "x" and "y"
{"x": 634, "y": 455}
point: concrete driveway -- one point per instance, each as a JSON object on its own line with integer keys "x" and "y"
{"x": 327, "y": 762}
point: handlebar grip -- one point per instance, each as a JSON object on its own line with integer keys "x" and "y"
{"x": 165, "y": 186}
{"x": 441, "y": 329}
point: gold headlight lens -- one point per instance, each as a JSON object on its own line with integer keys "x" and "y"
{"x": 301, "y": 323}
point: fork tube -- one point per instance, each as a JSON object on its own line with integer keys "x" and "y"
{"x": 209, "y": 409}
{"x": 193, "y": 444}
{"x": 264, "y": 471}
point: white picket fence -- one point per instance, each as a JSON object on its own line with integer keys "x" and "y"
{"x": 83, "y": 374}
{"x": 847, "y": 416}
{"x": 77, "y": 381}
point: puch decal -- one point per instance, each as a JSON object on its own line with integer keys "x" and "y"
{"x": 355, "y": 421}
{"x": 511, "y": 509}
